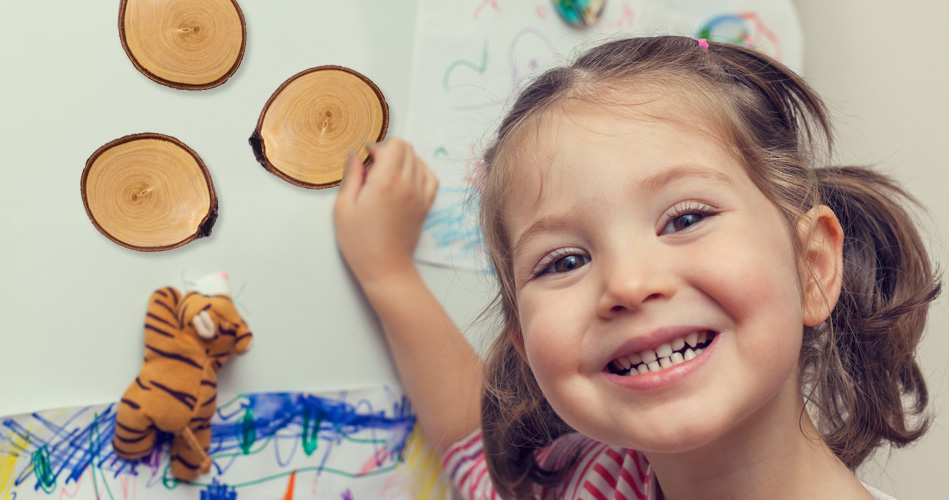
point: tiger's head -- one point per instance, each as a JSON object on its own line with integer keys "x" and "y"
{"x": 209, "y": 315}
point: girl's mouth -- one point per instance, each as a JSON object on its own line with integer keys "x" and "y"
{"x": 667, "y": 355}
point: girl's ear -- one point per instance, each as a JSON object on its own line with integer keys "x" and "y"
{"x": 823, "y": 241}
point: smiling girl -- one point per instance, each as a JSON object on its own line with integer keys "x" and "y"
{"x": 691, "y": 307}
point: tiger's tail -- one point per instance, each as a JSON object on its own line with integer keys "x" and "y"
{"x": 189, "y": 453}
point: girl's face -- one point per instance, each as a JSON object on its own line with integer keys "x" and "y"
{"x": 656, "y": 285}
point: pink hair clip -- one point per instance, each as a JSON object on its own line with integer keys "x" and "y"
{"x": 703, "y": 43}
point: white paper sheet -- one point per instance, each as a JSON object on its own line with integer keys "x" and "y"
{"x": 347, "y": 445}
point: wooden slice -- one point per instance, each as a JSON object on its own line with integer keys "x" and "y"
{"x": 314, "y": 119}
{"x": 185, "y": 44}
{"x": 149, "y": 192}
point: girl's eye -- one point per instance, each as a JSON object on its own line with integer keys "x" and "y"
{"x": 686, "y": 217}
{"x": 568, "y": 263}
{"x": 563, "y": 263}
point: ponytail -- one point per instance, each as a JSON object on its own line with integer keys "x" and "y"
{"x": 866, "y": 385}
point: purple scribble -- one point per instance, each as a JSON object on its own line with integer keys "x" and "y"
{"x": 348, "y": 495}
{"x": 516, "y": 75}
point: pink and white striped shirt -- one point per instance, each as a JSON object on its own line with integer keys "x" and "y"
{"x": 602, "y": 472}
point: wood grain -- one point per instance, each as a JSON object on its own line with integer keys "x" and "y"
{"x": 149, "y": 192}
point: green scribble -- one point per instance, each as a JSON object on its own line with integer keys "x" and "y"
{"x": 247, "y": 431}
{"x": 42, "y": 470}
{"x": 311, "y": 431}
{"x": 440, "y": 151}
{"x": 468, "y": 64}
{"x": 94, "y": 448}
{"x": 168, "y": 481}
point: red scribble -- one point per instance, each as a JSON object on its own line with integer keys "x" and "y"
{"x": 66, "y": 494}
{"x": 477, "y": 171}
{"x": 289, "y": 494}
{"x": 128, "y": 484}
{"x": 761, "y": 30}
{"x": 316, "y": 479}
{"x": 627, "y": 18}
{"x": 485, "y": 3}
{"x": 378, "y": 458}
{"x": 541, "y": 12}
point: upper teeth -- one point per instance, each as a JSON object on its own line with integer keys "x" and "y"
{"x": 664, "y": 356}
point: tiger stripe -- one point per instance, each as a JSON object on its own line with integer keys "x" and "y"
{"x": 159, "y": 330}
{"x": 133, "y": 404}
{"x": 186, "y": 399}
{"x": 177, "y": 357}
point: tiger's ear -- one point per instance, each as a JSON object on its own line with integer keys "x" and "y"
{"x": 203, "y": 325}
{"x": 822, "y": 240}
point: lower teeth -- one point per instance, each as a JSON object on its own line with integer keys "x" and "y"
{"x": 662, "y": 363}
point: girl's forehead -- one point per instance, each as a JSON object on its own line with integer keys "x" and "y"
{"x": 545, "y": 143}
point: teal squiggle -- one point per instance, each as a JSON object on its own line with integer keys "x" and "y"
{"x": 468, "y": 64}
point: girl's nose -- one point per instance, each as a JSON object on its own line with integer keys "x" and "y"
{"x": 629, "y": 284}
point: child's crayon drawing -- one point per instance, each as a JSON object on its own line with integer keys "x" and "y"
{"x": 346, "y": 445}
{"x": 473, "y": 56}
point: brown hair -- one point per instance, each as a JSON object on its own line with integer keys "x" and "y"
{"x": 859, "y": 368}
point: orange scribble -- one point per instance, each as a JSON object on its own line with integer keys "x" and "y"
{"x": 289, "y": 494}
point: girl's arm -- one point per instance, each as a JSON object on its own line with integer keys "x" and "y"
{"x": 379, "y": 214}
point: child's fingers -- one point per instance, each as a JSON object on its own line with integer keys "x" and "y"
{"x": 418, "y": 169}
{"x": 353, "y": 173}
{"x": 387, "y": 159}
{"x": 372, "y": 147}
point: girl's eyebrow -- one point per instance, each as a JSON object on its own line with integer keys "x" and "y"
{"x": 542, "y": 225}
{"x": 642, "y": 188}
{"x": 659, "y": 180}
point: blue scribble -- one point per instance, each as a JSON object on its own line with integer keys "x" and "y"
{"x": 728, "y": 28}
{"x": 59, "y": 454}
{"x": 66, "y": 454}
{"x": 451, "y": 227}
{"x": 218, "y": 491}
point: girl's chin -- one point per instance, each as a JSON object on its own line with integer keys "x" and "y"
{"x": 660, "y": 435}
{"x": 673, "y": 445}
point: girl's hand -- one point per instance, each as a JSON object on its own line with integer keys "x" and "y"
{"x": 379, "y": 211}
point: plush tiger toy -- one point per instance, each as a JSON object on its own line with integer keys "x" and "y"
{"x": 187, "y": 340}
